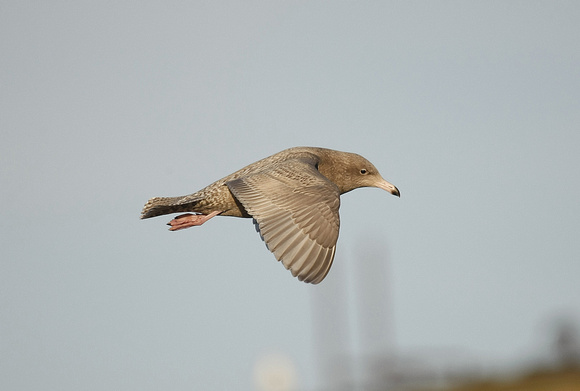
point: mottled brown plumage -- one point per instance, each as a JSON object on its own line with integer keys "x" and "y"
{"x": 293, "y": 197}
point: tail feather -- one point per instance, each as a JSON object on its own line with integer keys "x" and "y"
{"x": 158, "y": 206}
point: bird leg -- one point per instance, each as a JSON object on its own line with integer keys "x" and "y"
{"x": 190, "y": 220}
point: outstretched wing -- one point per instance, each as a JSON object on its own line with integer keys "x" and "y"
{"x": 296, "y": 211}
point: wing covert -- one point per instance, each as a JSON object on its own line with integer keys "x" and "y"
{"x": 296, "y": 212}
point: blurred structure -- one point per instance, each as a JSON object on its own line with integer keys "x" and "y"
{"x": 353, "y": 328}
{"x": 331, "y": 332}
{"x": 567, "y": 344}
{"x": 374, "y": 325}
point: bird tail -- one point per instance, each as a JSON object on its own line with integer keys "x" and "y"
{"x": 158, "y": 206}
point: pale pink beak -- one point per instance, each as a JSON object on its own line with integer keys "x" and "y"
{"x": 389, "y": 187}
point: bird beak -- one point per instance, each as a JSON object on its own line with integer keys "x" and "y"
{"x": 389, "y": 187}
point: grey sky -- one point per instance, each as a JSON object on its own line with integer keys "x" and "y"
{"x": 471, "y": 108}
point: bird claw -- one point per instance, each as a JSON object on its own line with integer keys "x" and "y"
{"x": 190, "y": 220}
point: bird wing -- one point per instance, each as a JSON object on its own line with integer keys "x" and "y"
{"x": 295, "y": 209}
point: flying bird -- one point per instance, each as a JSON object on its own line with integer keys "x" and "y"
{"x": 293, "y": 197}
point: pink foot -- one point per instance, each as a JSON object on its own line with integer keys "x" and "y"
{"x": 190, "y": 220}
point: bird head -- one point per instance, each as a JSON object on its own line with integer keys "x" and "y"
{"x": 350, "y": 171}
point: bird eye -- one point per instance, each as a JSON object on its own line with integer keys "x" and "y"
{"x": 363, "y": 171}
